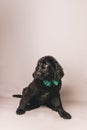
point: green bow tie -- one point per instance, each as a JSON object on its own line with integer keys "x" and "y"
{"x": 48, "y": 83}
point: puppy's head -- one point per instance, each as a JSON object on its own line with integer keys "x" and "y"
{"x": 48, "y": 68}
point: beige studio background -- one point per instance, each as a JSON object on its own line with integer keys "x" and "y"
{"x": 30, "y": 29}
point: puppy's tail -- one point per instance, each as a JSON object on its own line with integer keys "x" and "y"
{"x": 17, "y": 95}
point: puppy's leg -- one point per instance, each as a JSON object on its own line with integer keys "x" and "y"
{"x": 56, "y": 105}
{"x": 22, "y": 105}
{"x": 31, "y": 107}
{"x": 27, "y": 95}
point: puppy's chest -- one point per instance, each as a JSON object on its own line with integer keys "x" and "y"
{"x": 44, "y": 96}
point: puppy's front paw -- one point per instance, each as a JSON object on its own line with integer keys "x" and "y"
{"x": 65, "y": 115}
{"x": 20, "y": 111}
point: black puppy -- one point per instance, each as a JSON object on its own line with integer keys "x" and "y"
{"x": 44, "y": 89}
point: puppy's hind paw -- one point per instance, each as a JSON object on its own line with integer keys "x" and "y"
{"x": 20, "y": 111}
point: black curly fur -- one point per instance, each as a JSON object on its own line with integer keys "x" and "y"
{"x": 37, "y": 94}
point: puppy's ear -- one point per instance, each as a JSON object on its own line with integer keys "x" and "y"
{"x": 59, "y": 71}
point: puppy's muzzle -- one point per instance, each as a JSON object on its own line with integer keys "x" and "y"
{"x": 38, "y": 75}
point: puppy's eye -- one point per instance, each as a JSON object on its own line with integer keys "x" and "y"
{"x": 46, "y": 65}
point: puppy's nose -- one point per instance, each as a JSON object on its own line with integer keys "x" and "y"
{"x": 38, "y": 74}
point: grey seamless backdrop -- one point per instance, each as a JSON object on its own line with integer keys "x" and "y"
{"x": 35, "y": 28}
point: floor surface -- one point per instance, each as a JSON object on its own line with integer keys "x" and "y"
{"x": 42, "y": 118}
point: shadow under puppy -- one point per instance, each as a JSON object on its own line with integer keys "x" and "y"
{"x": 44, "y": 89}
